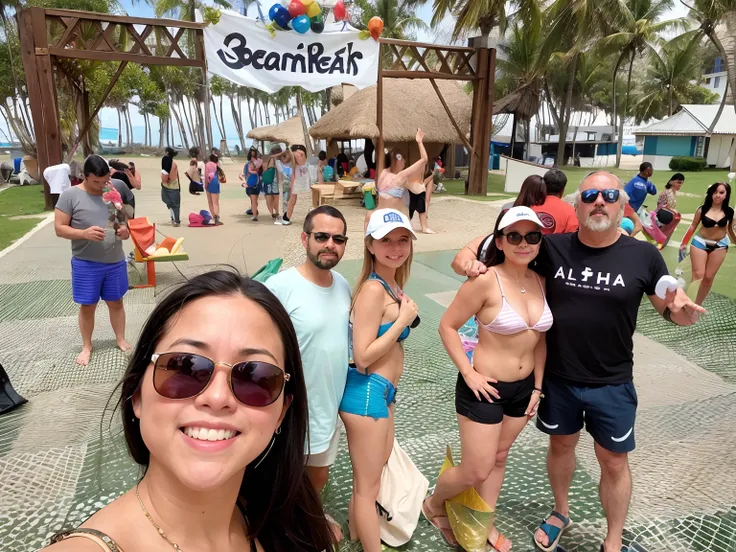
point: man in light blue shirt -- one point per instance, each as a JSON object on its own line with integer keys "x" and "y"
{"x": 639, "y": 186}
{"x": 318, "y": 302}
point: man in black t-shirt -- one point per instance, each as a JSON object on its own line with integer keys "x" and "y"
{"x": 595, "y": 280}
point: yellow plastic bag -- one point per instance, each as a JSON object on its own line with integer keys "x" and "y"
{"x": 469, "y": 515}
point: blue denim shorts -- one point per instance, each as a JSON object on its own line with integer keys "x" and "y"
{"x": 367, "y": 395}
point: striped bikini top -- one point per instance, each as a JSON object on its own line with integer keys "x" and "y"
{"x": 509, "y": 322}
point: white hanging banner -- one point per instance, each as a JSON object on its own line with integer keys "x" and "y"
{"x": 241, "y": 50}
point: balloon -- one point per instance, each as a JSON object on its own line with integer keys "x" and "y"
{"x": 307, "y": 2}
{"x": 317, "y": 23}
{"x": 339, "y": 10}
{"x": 375, "y": 27}
{"x": 297, "y": 8}
{"x": 313, "y": 10}
{"x": 300, "y": 23}
{"x": 274, "y": 10}
{"x": 282, "y": 19}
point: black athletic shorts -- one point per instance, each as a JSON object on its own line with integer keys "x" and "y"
{"x": 608, "y": 412}
{"x": 418, "y": 203}
{"x": 514, "y": 400}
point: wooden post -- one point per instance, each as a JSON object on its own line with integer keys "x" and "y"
{"x": 84, "y": 121}
{"x": 41, "y": 92}
{"x": 475, "y": 179}
{"x": 207, "y": 116}
{"x": 482, "y": 122}
{"x": 380, "y": 155}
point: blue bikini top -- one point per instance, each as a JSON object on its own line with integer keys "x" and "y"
{"x": 383, "y": 328}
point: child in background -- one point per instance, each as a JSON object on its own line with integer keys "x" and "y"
{"x": 192, "y": 173}
{"x": 285, "y": 170}
{"x": 301, "y": 181}
{"x": 321, "y": 167}
{"x": 352, "y": 169}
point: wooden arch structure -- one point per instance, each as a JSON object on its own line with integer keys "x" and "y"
{"x": 48, "y": 36}
{"x": 475, "y": 64}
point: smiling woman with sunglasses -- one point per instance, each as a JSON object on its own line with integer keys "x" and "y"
{"x": 499, "y": 391}
{"x": 382, "y": 317}
{"x": 217, "y": 421}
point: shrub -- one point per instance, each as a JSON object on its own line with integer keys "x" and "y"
{"x": 687, "y": 163}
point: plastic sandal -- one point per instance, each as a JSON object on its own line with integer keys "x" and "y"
{"x": 553, "y": 532}
{"x": 444, "y": 529}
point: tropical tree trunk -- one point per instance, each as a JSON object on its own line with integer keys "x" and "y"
{"x": 671, "y": 108}
{"x": 131, "y": 139}
{"x": 120, "y": 130}
{"x": 730, "y": 24}
{"x": 238, "y": 123}
{"x": 222, "y": 118}
{"x": 217, "y": 117}
{"x": 162, "y": 128}
{"x": 566, "y": 110}
{"x": 620, "y": 142}
{"x": 182, "y": 130}
{"x": 190, "y": 128}
{"x": 300, "y": 107}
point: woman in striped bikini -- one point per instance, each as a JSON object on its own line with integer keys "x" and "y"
{"x": 499, "y": 391}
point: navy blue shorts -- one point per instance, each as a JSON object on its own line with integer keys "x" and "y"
{"x": 608, "y": 412}
{"x": 253, "y": 190}
{"x": 93, "y": 281}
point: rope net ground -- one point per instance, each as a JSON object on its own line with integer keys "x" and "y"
{"x": 61, "y": 459}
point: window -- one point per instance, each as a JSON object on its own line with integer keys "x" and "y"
{"x": 707, "y": 81}
{"x": 718, "y": 65}
{"x": 700, "y": 146}
{"x": 716, "y": 83}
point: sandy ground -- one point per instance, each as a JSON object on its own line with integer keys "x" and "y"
{"x": 248, "y": 245}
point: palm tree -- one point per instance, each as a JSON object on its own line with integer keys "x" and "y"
{"x": 574, "y": 26}
{"x": 522, "y": 67}
{"x": 638, "y": 27}
{"x": 668, "y": 83}
{"x": 483, "y": 14}
{"x": 399, "y": 17}
{"x": 711, "y": 13}
{"x": 185, "y": 10}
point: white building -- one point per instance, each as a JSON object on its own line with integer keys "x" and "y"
{"x": 686, "y": 134}
{"x": 716, "y": 79}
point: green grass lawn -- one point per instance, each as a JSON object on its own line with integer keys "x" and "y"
{"x": 11, "y": 230}
{"x": 495, "y": 186}
{"x": 21, "y": 200}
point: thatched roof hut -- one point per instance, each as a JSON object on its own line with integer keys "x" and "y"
{"x": 289, "y": 132}
{"x": 407, "y": 105}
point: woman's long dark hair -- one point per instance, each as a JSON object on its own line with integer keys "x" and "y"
{"x": 676, "y": 176}
{"x": 533, "y": 192}
{"x": 282, "y": 509}
{"x": 708, "y": 203}
{"x": 493, "y": 255}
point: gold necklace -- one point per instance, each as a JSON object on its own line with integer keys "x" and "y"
{"x": 160, "y": 531}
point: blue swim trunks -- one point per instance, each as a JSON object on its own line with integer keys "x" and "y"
{"x": 93, "y": 281}
{"x": 367, "y": 395}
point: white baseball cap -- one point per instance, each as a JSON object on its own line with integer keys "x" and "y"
{"x": 517, "y": 214}
{"x": 383, "y": 221}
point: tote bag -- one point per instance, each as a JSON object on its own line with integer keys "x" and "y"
{"x": 403, "y": 488}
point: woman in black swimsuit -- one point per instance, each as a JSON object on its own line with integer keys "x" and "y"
{"x": 217, "y": 421}
{"x": 710, "y": 244}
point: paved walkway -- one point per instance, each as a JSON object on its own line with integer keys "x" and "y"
{"x": 62, "y": 456}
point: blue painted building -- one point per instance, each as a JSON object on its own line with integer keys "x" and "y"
{"x": 686, "y": 134}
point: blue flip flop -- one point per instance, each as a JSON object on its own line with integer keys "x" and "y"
{"x": 553, "y": 532}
